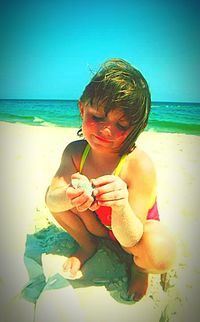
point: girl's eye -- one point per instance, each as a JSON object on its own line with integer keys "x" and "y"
{"x": 97, "y": 118}
{"x": 122, "y": 127}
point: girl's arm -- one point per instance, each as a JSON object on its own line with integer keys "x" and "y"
{"x": 130, "y": 204}
{"x": 126, "y": 226}
{"x": 61, "y": 196}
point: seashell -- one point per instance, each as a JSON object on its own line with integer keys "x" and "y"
{"x": 84, "y": 183}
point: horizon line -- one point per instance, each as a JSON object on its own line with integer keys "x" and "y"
{"x": 63, "y": 99}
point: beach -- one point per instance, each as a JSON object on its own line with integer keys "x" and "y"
{"x": 30, "y": 156}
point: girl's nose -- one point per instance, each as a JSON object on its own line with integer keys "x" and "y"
{"x": 106, "y": 130}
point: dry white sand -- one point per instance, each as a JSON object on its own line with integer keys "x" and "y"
{"x": 29, "y": 156}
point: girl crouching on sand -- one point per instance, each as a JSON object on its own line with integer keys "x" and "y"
{"x": 121, "y": 203}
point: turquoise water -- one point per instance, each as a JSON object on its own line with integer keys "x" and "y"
{"x": 164, "y": 117}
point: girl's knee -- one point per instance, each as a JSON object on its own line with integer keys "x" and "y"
{"x": 158, "y": 248}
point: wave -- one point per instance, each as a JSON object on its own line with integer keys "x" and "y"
{"x": 58, "y": 121}
{"x": 24, "y": 119}
{"x": 13, "y": 117}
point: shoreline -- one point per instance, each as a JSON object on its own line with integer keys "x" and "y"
{"x": 195, "y": 128}
{"x": 30, "y": 155}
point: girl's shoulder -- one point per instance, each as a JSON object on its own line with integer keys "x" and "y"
{"x": 74, "y": 150}
{"x": 75, "y": 147}
{"x": 140, "y": 163}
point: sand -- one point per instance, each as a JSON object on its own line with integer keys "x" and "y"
{"x": 29, "y": 156}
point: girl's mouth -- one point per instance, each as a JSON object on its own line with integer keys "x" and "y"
{"x": 100, "y": 138}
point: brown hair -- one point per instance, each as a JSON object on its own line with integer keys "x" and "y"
{"x": 118, "y": 84}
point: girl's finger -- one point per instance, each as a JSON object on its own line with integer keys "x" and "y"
{"x": 113, "y": 203}
{"x": 82, "y": 199}
{"x": 85, "y": 205}
{"x": 114, "y": 186}
{"x": 103, "y": 180}
{"x": 113, "y": 195}
{"x": 73, "y": 193}
{"x": 94, "y": 206}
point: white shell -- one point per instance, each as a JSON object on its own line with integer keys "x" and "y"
{"x": 82, "y": 183}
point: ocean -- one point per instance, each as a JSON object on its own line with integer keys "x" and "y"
{"x": 164, "y": 116}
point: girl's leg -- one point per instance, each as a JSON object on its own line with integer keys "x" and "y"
{"x": 82, "y": 227}
{"x": 155, "y": 253}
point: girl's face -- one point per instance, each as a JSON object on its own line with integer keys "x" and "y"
{"x": 105, "y": 133}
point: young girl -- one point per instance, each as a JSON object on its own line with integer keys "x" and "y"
{"x": 114, "y": 107}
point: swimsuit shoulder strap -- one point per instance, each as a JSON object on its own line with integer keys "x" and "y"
{"x": 120, "y": 165}
{"x": 152, "y": 201}
{"x": 85, "y": 154}
{"x": 84, "y": 157}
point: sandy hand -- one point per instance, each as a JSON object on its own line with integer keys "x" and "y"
{"x": 80, "y": 181}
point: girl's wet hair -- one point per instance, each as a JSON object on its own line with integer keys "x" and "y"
{"x": 118, "y": 84}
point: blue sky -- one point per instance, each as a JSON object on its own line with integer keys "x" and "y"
{"x": 48, "y": 48}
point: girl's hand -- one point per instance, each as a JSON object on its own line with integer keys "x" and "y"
{"x": 111, "y": 191}
{"x": 80, "y": 192}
